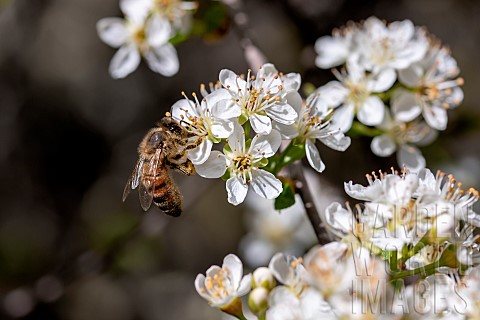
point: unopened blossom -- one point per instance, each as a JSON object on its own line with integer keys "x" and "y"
{"x": 262, "y": 99}
{"x": 244, "y": 165}
{"x": 433, "y": 89}
{"x": 403, "y": 138}
{"x": 354, "y": 95}
{"x": 389, "y": 47}
{"x": 312, "y": 125}
{"x": 221, "y": 286}
{"x": 137, "y": 36}
{"x": 207, "y": 120}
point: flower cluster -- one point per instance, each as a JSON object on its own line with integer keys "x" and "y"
{"x": 425, "y": 219}
{"x": 334, "y": 281}
{"x": 267, "y": 104}
{"x": 145, "y": 31}
{"x": 396, "y": 78}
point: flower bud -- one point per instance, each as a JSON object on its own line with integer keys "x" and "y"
{"x": 263, "y": 277}
{"x": 258, "y": 300}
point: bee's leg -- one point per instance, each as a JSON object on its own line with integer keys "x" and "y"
{"x": 186, "y": 168}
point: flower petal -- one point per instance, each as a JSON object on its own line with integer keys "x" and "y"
{"x": 201, "y": 153}
{"x": 231, "y": 81}
{"x": 236, "y": 141}
{"x": 158, "y": 31}
{"x": 405, "y": 106}
{"x": 184, "y": 109}
{"x": 313, "y": 156}
{"x": 282, "y": 112}
{"x": 200, "y": 287}
{"x": 287, "y": 132}
{"x": 245, "y": 285}
{"x": 112, "y": 31}
{"x": 280, "y": 267}
{"x": 383, "y": 145}
{"x": 124, "y": 62}
{"x": 372, "y": 111}
{"x": 265, "y": 184}
{"x": 235, "y": 267}
{"x": 163, "y": 60}
{"x": 382, "y": 81}
{"x": 343, "y": 117}
{"x": 236, "y": 190}
{"x": 222, "y": 105}
{"x": 136, "y": 10}
{"x": 436, "y": 117}
{"x": 221, "y": 128}
{"x": 214, "y": 167}
{"x": 265, "y": 146}
{"x": 411, "y": 76}
{"x": 412, "y": 157}
{"x": 294, "y": 99}
{"x": 260, "y": 124}
{"x": 336, "y": 140}
{"x": 333, "y": 93}
{"x": 332, "y": 51}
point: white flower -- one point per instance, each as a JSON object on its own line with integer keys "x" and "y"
{"x": 285, "y": 305}
{"x": 310, "y": 126}
{"x": 243, "y": 163}
{"x": 207, "y": 119}
{"x": 138, "y": 36}
{"x": 396, "y": 46}
{"x": 176, "y": 11}
{"x": 271, "y": 231}
{"x": 353, "y": 95}
{"x": 403, "y": 138}
{"x": 336, "y": 49}
{"x": 222, "y": 285}
{"x": 262, "y": 99}
{"x": 328, "y": 270}
{"x": 435, "y": 91}
{"x": 289, "y": 271}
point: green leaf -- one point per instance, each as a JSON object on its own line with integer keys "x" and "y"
{"x": 293, "y": 153}
{"x": 286, "y": 198}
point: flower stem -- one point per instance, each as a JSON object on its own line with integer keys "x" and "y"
{"x": 426, "y": 270}
{"x": 303, "y": 190}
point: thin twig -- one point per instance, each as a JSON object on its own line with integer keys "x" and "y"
{"x": 301, "y": 186}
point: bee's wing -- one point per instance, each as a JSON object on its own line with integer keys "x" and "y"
{"x": 147, "y": 185}
{"x": 134, "y": 179}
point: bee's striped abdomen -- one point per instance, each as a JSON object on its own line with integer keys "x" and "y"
{"x": 166, "y": 194}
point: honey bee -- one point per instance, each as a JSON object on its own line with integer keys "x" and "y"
{"x": 164, "y": 146}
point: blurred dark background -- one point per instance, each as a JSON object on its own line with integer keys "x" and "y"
{"x": 69, "y": 248}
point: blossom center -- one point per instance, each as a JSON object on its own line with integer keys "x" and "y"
{"x": 218, "y": 285}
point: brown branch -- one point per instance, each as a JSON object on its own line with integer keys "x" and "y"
{"x": 301, "y": 186}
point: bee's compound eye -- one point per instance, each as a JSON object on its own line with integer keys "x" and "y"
{"x": 155, "y": 140}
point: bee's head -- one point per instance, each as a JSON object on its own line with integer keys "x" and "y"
{"x": 171, "y": 125}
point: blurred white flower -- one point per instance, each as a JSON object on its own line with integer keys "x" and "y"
{"x": 178, "y": 12}
{"x": 403, "y": 138}
{"x": 336, "y": 49}
{"x": 244, "y": 165}
{"x": 262, "y": 99}
{"x": 396, "y": 46}
{"x": 353, "y": 95}
{"x": 137, "y": 36}
{"x": 312, "y": 125}
{"x": 285, "y": 305}
{"x": 433, "y": 89}
{"x": 206, "y": 120}
{"x": 222, "y": 285}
